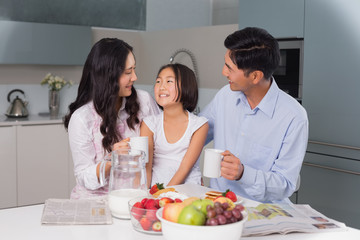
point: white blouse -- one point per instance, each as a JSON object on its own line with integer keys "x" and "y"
{"x": 85, "y": 141}
{"x": 168, "y": 156}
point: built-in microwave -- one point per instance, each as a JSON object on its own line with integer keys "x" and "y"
{"x": 289, "y": 74}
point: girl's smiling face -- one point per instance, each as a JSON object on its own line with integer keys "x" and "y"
{"x": 165, "y": 88}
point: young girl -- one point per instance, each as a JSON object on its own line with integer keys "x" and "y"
{"x": 176, "y": 136}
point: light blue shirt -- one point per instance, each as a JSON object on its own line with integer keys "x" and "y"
{"x": 270, "y": 140}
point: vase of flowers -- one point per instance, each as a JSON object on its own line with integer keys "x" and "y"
{"x": 55, "y": 84}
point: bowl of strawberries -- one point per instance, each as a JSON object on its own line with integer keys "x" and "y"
{"x": 143, "y": 214}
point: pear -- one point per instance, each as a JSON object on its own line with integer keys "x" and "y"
{"x": 190, "y": 215}
{"x": 201, "y": 204}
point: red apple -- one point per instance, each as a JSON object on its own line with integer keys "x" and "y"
{"x": 172, "y": 211}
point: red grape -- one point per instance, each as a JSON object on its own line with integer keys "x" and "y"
{"x": 219, "y": 210}
{"x": 222, "y": 219}
{"x": 211, "y": 213}
{"x": 213, "y": 222}
{"x": 240, "y": 207}
{"x": 225, "y": 205}
{"x": 233, "y": 219}
{"x": 228, "y": 214}
{"x": 217, "y": 204}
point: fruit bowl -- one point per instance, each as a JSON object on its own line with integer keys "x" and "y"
{"x": 143, "y": 215}
{"x": 177, "y": 231}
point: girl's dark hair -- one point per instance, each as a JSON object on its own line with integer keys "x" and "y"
{"x": 254, "y": 49}
{"x": 186, "y": 85}
{"x": 100, "y": 83}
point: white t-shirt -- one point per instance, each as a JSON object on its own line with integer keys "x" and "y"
{"x": 85, "y": 141}
{"x": 168, "y": 156}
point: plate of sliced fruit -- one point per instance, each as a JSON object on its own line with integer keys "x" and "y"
{"x": 212, "y": 195}
{"x": 159, "y": 191}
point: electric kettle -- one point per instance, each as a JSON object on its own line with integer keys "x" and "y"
{"x": 17, "y": 108}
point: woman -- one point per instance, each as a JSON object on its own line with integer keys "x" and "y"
{"x": 107, "y": 109}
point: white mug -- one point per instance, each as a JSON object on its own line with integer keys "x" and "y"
{"x": 212, "y": 163}
{"x": 140, "y": 143}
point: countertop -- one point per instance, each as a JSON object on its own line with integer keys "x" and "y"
{"x": 30, "y": 120}
{"x": 24, "y": 223}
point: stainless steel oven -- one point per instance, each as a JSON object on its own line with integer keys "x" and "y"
{"x": 289, "y": 74}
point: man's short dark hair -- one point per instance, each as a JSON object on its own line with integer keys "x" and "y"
{"x": 254, "y": 49}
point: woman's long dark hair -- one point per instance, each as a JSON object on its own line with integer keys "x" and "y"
{"x": 100, "y": 84}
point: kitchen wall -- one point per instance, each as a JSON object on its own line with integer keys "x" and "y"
{"x": 225, "y": 12}
{"x": 152, "y": 49}
{"x": 172, "y": 14}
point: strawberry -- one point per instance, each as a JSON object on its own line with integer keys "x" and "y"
{"x": 150, "y": 204}
{"x": 143, "y": 201}
{"x": 156, "y": 187}
{"x": 137, "y": 210}
{"x": 156, "y": 227}
{"x": 230, "y": 194}
{"x": 157, "y": 203}
{"x": 151, "y": 214}
{"x": 145, "y": 223}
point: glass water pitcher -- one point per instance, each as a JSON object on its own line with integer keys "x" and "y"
{"x": 127, "y": 180}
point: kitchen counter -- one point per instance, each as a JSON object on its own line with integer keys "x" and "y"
{"x": 24, "y": 223}
{"x": 30, "y": 120}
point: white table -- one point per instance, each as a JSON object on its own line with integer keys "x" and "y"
{"x": 24, "y": 223}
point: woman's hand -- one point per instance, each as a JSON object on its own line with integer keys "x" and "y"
{"x": 231, "y": 166}
{"x": 123, "y": 144}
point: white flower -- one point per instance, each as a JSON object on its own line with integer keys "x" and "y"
{"x": 55, "y": 83}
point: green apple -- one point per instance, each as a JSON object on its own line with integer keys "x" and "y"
{"x": 202, "y": 203}
{"x": 190, "y": 215}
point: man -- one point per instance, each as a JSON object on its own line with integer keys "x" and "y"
{"x": 263, "y": 130}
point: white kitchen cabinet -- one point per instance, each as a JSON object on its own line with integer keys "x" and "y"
{"x": 281, "y": 18}
{"x": 8, "y": 167}
{"x": 42, "y": 163}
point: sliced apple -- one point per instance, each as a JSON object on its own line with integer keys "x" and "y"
{"x": 225, "y": 199}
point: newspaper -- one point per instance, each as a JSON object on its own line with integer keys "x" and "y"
{"x": 68, "y": 212}
{"x": 267, "y": 219}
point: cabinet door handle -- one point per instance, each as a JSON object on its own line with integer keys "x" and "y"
{"x": 331, "y": 168}
{"x": 334, "y": 145}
